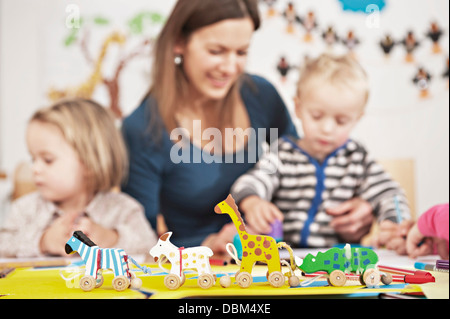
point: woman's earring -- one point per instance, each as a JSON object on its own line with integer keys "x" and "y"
{"x": 178, "y": 60}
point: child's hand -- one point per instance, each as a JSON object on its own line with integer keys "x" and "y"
{"x": 100, "y": 235}
{"x": 352, "y": 219}
{"x": 54, "y": 238}
{"x": 417, "y": 245}
{"x": 442, "y": 247}
{"x": 260, "y": 214}
{"x": 393, "y": 235}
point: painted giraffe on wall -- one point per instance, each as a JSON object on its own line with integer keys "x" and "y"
{"x": 255, "y": 248}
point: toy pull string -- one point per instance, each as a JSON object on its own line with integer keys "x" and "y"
{"x": 231, "y": 249}
{"x": 74, "y": 271}
{"x": 145, "y": 269}
{"x": 291, "y": 254}
{"x": 310, "y": 281}
{"x": 162, "y": 259}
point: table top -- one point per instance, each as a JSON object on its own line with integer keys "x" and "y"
{"x": 62, "y": 281}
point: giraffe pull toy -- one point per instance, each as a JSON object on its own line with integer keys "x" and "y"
{"x": 181, "y": 259}
{"x": 255, "y": 248}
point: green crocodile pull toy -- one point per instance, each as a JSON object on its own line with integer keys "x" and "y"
{"x": 338, "y": 262}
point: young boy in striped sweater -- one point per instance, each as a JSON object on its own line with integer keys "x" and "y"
{"x": 324, "y": 187}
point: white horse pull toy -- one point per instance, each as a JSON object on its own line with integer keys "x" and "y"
{"x": 184, "y": 258}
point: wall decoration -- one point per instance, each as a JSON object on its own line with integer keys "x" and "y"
{"x": 283, "y": 67}
{"x": 271, "y": 11}
{"x": 422, "y": 81}
{"x": 387, "y": 44}
{"x": 81, "y": 36}
{"x": 309, "y": 23}
{"x": 410, "y": 43}
{"x": 291, "y": 17}
{"x": 435, "y": 33}
{"x": 330, "y": 37}
{"x": 351, "y": 41}
{"x": 362, "y": 5}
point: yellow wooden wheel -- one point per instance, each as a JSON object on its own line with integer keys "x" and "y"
{"x": 206, "y": 281}
{"x": 371, "y": 277}
{"x": 172, "y": 281}
{"x": 337, "y": 278}
{"x": 276, "y": 279}
{"x": 244, "y": 279}
{"x": 120, "y": 283}
{"x": 87, "y": 283}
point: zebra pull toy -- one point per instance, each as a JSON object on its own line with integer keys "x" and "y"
{"x": 96, "y": 259}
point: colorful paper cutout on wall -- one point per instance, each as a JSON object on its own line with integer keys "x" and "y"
{"x": 362, "y": 5}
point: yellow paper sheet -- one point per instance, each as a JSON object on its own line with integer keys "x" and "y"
{"x": 47, "y": 283}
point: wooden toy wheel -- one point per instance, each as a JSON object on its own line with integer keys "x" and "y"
{"x": 206, "y": 281}
{"x": 120, "y": 283}
{"x": 337, "y": 278}
{"x": 225, "y": 281}
{"x": 87, "y": 283}
{"x": 371, "y": 277}
{"x": 172, "y": 281}
{"x": 386, "y": 279}
{"x": 294, "y": 281}
{"x": 276, "y": 279}
{"x": 136, "y": 282}
{"x": 361, "y": 280}
{"x": 99, "y": 281}
{"x": 244, "y": 279}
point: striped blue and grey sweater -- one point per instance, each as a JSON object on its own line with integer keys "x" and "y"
{"x": 302, "y": 188}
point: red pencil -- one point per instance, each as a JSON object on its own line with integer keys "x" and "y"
{"x": 409, "y": 277}
{"x": 400, "y": 271}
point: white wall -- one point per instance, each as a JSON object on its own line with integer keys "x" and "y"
{"x": 397, "y": 123}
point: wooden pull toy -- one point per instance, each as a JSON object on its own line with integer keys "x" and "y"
{"x": 338, "y": 262}
{"x": 96, "y": 259}
{"x": 181, "y": 259}
{"x": 255, "y": 248}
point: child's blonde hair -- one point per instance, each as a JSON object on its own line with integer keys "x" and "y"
{"x": 342, "y": 71}
{"x": 90, "y": 129}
